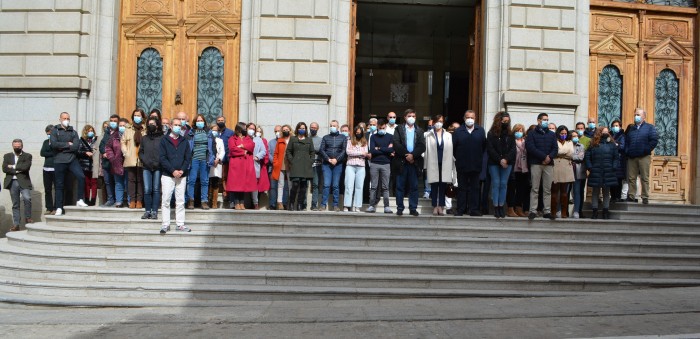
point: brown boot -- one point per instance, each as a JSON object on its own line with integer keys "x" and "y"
{"x": 139, "y": 205}
{"x": 241, "y": 206}
{"x": 214, "y": 197}
{"x": 565, "y": 206}
{"x": 280, "y": 206}
{"x": 205, "y": 206}
{"x": 519, "y": 211}
{"x": 511, "y": 213}
{"x": 190, "y": 205}
{"x": 132, "y": 205}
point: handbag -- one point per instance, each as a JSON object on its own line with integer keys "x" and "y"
{"x": 451, "y": 192}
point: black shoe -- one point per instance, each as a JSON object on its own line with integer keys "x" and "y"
{"x": 449, "y": 211}
{"x": 502, "y": 209}
{"x": 631, "y": 200}
{"x": 645, "y": 201}
{"x": 146, "y": 215}
{"x": 457, "y": 214}
{"x": 414, "y": 213}
{"x": 496, "y": 212}
{"x": 532, "y": 216}
{"x": 595, "y": 214}
{"x": 549, "y": 216}
{"x": 476, "y": 214}
{"x": 606, "y": 214}
{"x": 399, "y": 212}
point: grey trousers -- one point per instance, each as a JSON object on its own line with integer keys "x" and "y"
{"x": 377, "y": 172}
{"x": 596, "y": 197}
{"x": 15, "y": 193}
{"x": 542, "y": 173}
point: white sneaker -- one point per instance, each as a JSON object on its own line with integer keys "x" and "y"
{"x": 59, "y": 211}
{"x": 426, "y": 195}
{"x": 559, "y": 214}
{"x": 81, "y": 203}
{"x": 575, "y": 216}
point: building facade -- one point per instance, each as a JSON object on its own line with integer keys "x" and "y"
{"x": 283, "y": 61}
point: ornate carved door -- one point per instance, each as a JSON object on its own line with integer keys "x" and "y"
{"x": 643, "y": 56}
{"x": 178, "y": 55}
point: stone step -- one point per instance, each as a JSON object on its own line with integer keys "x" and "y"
{"x": 33, "y": 250}
{"x": 262, "y": 239}
{"x": 500, "y": 229}
{"x": 655, "y": 207}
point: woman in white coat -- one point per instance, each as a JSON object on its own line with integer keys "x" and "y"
{"x": 439, "y": 163}
{"x": 216, "y": 168}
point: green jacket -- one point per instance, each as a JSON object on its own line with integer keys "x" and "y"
{"x": 300, "y": 157}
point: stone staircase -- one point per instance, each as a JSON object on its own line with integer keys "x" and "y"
{"x": 110, "y": 257}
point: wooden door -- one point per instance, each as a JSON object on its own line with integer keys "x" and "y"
{"x": 354, "y": 39}
{"x": 179, "y": 56}
{"x": 644, "y": 56}
{"x": 475, "y": 57}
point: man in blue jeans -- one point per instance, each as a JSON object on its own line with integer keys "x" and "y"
{"x": 332, "y": 152}
{"x": 106, "y": 173}
{"x": 409, "y": 146}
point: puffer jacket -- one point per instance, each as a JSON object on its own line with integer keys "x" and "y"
{"x": 600, "y": 160}
{"x": 333, "y": 147}
{"x": 149, "y": 152}
{"x": 86, "y": 145}
{"x": 641, "y": 141}
{"x": 621, "y": 163}
{"x": 540, "y": 143}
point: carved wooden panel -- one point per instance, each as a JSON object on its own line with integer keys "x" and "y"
{"x": 666, "y": 178}
{"x": 621, "y": 25}
{"x": 220, "y": 8}
{"x": 153, "y": 7}
{"x": 662, "y": 28}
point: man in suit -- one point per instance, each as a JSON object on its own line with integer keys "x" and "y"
{"x": 409, "y": 146}
{"x": 469, "y": 144}
{"x": 16, "y": 166}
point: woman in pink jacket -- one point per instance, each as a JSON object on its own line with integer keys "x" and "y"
{"x": 241, "y": 173}
{"x": 113, "y": 151}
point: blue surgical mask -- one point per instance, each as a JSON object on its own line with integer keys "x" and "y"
{"x": 518, "y": 135}
{"x": 214, "y": 134}
{"x": 113, "y": 125}
{"x": 382, "y": 132}
{"x": 616, "y": 129}
{"x": 346, "y": 134}
{"x": 544, "y": 123}
{"x": 575, "y": 140}
{"x": 372, "y": 128}
{"x": 392, "y": 120}
{"x": 301, "y": 132}
{"x": 177, "y": 129}
{"x": 591, "y": 125}
{"x": 200, "y": 124}
{"x": 580, "y": 132}
{"x": 637, "y": 119}
{"x": 91, "y": 134}
{"x": 137, "y": 120}
{"x": 122, "y": 129}
{"x": 334, "y": 130}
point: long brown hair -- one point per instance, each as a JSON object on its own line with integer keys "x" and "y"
{"x": 598, "y": 135}
{"x": 194, "y": 121}
{"x": 496, "y": 127}
{"x": 362, "y": 141}
{"x": 138, "y": 128}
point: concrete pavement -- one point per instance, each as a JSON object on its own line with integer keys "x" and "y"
{"x": 661, "y": 312}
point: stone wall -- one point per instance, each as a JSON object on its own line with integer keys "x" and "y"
{"x": 537, "y": 59}
{"x": 298, "y": 69}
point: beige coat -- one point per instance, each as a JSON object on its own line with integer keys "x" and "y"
{"x": 129, "y": 149}
{"x": 431, "y": 159}
{"x": 563, "y": 169}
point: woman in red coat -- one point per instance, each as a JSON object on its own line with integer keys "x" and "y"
{"x": 241, "y": 172}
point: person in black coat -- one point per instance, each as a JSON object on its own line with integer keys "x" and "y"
{"x": 500, "y": 146}
{"x": 542, "y": 148}
{"x": 149, "y": 154}
{"x": 409, "y": 146}
{"x": 600, "y": 161}
{"x": 469, "y": 142}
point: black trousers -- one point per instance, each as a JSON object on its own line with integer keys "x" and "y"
{"x": 468, "y": 194}
{"x": 48, "y": 190}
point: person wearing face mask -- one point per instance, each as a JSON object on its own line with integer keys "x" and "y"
{"x": 562, "y": 176}
{"x": 48, "y": 172}
{"x": 617, "y": 134}
{"x": 582, "y": 138}
{"x": 241, "y": 172}
{"x": 469, "y": 142}
{"x": 391, "y": 123}
{"x": 299, "y": 157}
{"x": 97, "y": 163}
{"x": 409, "y": 146}
{"x": 149, "y": 154}
{"x": 131, "y": 141}
{"x": 185, "y": 128}
{"x": 65, "y": 142}
{"x": 600, "y": 161}
{"x": 332, "y": 151}
{"x": 86, "y": 156}
{"x": 381, "y": 147}
{"x": 16, "y": 166}
{"x": 175, "y": 160}
{"x": 261, "y": 164}
{"x": 579, "y": 174}
{"x": 500, "y": 146}
{"x": 109, "y": 181}
{"x": 590, "y": 128}
{"x": 224, "y": 133}
{"x": 371, "y": 131}
{"x": 216, "y": 167}
{"x": 113, "y": 152}
{"x": 640, "y": 141}
{"x": 317, "y": 182}
{"x": 542, "y": 148}
{"x": 274, "y": 183}
{"x": 518, "y": 195}
{"x": 439, "y": 163}
{"x": 357, "y": 154}
{"x": 202, "y": 146}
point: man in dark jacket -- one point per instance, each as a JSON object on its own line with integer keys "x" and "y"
{"x": 175, "y": 159}
{"x": 469, "y": 145}
{"x": 381, "y": 146}
{"x": 16, "y": 166}
{"x": 332, "y": 152}
{"x": 641, "y": 141}
{"x": 65, "y": 142}
{"x": 106, "y": 172}
{"x": 542, "y": 148}
{"x": 409, "y": 146}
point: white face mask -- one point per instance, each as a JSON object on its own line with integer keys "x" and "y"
{"x": 277, "y": 135}
{"x": 410, "y": 121}
{"x": 251, "y": 132}
{"x": 65, "y": 123}
{"x": 469, "y": 122}
{"x": 258, "y": 134}
{"x": 437, "y": 125}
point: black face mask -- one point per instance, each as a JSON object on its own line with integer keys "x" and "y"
{"x": 504, "y": 125}
{"x": 313, "y": 132}
{"x": 152, "y": 128}
{"x": 221, "y": 125}
{"x": 285, "y": 133}
{"x": 358, "y": 135}
{"x": 18, "y": 151}
{"x": 605, "y": 135}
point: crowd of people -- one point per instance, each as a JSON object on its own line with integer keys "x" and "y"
{"x": 146, "y": 161}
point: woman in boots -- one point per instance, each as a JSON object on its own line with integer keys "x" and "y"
{"x": 260, "y": 155}
{"x": 86, "y": 157}
{"x": 299, "y": 156}
{"x": 600, "y": 160}
{"x": 563, "y": 173}
{"x": 149, "y": 154}
{"x": 518, "y": 194}
{"x": 216, "y": 165}
{"x": 131, "y": 141}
